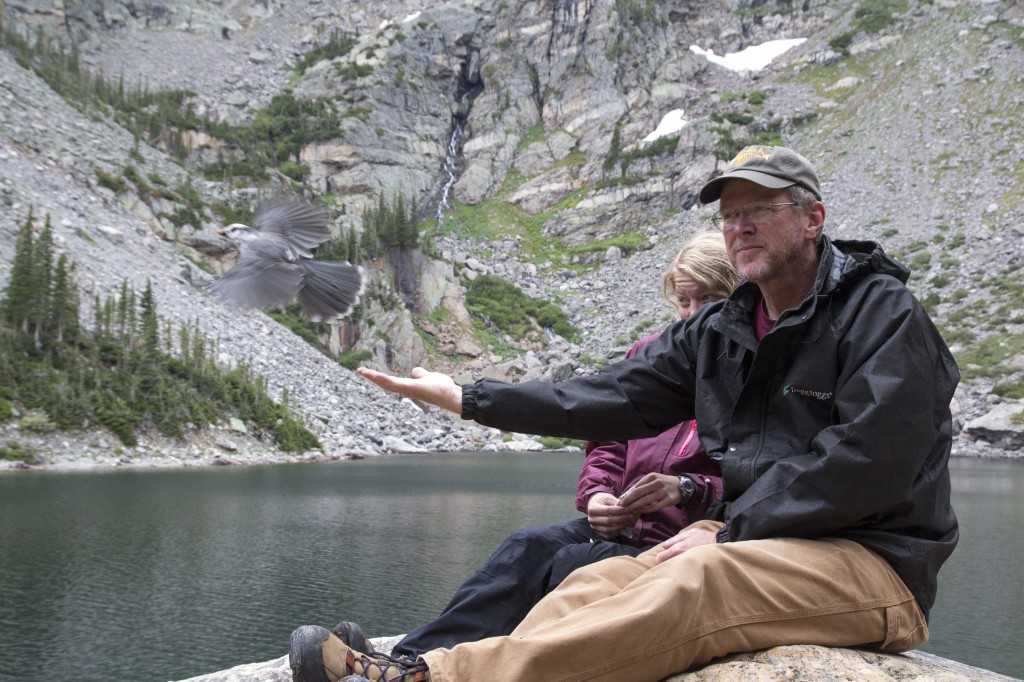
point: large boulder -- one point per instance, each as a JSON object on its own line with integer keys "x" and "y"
{"x": 1001, "y": 426}
{"x": 804, "y": 662}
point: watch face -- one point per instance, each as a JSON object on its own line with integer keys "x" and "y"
{"x": 686, "y": 487}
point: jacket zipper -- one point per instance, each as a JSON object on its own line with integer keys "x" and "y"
{"x": 689, "y": 437}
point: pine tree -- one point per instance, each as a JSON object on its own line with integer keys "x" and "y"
{"x": 184, "y": 345}
{"x": 413, "y": 227}
{"x": 122, "y": 313}
{"x": 401, "y": 222}
{"x": 385, "y": 225}
{"x": 17, "y": 304}
{"x": 148, "y": 368}
{"x": 369, "y": 238}
{"x": 150, "y": 322}
{"x": 614, "y": 149}
{"x": 108, "y": 319}
{"x": 42, "y": 278}
{"x": 64, "y": 303}
{"x": 97, "y": 317}
{"x": 353, "y": 245}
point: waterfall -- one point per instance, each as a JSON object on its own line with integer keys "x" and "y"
{"x": 451, "y": 167}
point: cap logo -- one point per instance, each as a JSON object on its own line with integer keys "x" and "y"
{"x": 750, "y": 153}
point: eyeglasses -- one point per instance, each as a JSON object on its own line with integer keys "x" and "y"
{"x": 755, "y": 213}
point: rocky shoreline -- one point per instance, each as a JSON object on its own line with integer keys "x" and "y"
{"x": 994, "y": 434}
{"x": 230, "y": 445}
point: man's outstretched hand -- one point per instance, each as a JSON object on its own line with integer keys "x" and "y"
{"x": 430, "y": 387}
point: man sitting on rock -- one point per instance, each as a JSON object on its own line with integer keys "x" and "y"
{"x": 823, "y": 386}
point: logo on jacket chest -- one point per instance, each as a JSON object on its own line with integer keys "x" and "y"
{"x": 807, "y": 392}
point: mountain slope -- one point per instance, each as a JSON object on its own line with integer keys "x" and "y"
{"x": 913, "y": 133}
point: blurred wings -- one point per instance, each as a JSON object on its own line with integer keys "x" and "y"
{"x": 301, "y": 223}
{"x": 256, "y": 282}
{"x": 273, "y": 266}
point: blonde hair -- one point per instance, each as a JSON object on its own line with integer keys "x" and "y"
{"x": 704, "y": 260}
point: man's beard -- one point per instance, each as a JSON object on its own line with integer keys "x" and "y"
{"x": 774, "y": 264}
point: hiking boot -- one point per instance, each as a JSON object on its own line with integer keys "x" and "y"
{"x": 352, "y": 635}
{"x": 316, "y": 654}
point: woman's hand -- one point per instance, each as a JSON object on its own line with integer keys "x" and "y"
{"x": 651, "y": 493}
{"x": 606, "y": 517}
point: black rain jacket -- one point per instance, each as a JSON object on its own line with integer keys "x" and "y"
{"x": 837, "y": 424}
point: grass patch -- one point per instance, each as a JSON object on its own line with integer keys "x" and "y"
{"x": 1011, "y": 390}
{"x": 921, "y": 261}
{"x": 505, "y": 309}
{"x": 338, "y": 45}
{"x": 627, "y": 242}
{"x": 13, "y": 451}
{"x": 36, "y": 423}
{"x": 873, "y": 16}
{"x": 493, "y": 219}
{"x": 535, "y": 133}
{"x": 574, "y": 158}
{"x": 514, "y": 179}
{"x": 990, "y": 356}
{"x": 954, "y": 337}
{"x": 115, "y": 184}
{"x": 554, "y": 443}
{"x": 351, "y": 358}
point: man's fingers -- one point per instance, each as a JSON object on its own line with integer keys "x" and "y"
{"x": 370, "y": 374}
{"x": 387, "y": 382}
{"x": 667, "y": 554}
{"x": 431, "y": 387}
{"x": 374, "y": 376}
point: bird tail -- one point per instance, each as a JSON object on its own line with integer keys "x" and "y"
{"x": 329, "y": 290}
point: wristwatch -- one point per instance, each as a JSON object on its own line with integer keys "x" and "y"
{"x": 686, "y": 488}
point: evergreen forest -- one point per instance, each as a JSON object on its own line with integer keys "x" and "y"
{"x": 126, "y": 371}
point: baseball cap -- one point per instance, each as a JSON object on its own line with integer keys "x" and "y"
{"x": 774, "y": 167}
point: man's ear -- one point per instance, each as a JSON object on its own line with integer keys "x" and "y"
{"x": 815, "y": 220}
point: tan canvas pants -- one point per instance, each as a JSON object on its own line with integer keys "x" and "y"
{"x": 631, "y": 619}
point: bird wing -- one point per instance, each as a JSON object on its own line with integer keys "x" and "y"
{"x": 259, "y": 283}
{"x": 301, "y": 223}
{"x": 329, "y": 289}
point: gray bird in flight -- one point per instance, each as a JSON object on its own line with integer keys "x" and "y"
{"x": 275, "y": 263}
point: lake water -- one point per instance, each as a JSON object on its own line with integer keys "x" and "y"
{"x": 161, "y": 575}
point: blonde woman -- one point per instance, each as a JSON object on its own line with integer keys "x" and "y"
{"x": 639, "y": 493}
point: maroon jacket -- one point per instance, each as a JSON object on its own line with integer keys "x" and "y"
{"x": 613, "y": 466}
